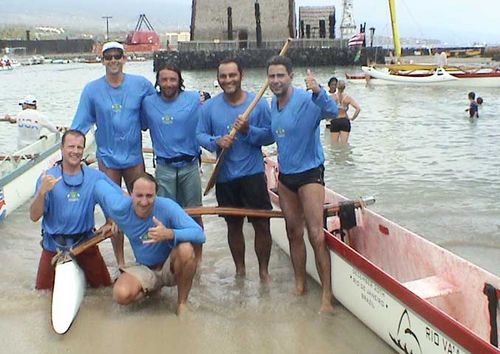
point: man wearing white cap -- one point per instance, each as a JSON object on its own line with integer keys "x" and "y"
{"x": 29, "y": 122}
{"x": 113, "y": 104}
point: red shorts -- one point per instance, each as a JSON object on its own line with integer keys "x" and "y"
{"x": 90, "y": 261}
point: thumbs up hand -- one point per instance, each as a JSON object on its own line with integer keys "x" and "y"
{"x": 311, "y": 83}
{"x": 159, "y": 232}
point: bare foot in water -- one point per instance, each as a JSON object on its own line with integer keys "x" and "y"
{"x": 240, "y": 273}
{"x": 326, "y": 308}
{"x": 265, "y": 278}
{"x": 182, "y": 310}
{"x": 326, "y": 304}
{"x": 300, "y": 290}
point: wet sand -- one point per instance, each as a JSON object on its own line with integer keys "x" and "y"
{"x": 228, "y": 315}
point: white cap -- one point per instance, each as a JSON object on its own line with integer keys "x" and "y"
{"x": 112, "y": 45}
{"x": 31, "y": 100}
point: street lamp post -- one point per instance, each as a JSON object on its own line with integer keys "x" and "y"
{"x": 107, "y": 25}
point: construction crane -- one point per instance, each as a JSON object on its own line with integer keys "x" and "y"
{"x": 143, "y": 40}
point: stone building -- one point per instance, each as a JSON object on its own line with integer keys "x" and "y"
{"x": 236, "y": 19}
{"x": 317, "y": 22}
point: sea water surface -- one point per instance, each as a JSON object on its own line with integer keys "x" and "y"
{"x": 430, "y": 168}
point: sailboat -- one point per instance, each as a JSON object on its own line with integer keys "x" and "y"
{"x": 426, "y": 74}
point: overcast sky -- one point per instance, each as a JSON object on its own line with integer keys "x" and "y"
{"x": 452, "y": 21}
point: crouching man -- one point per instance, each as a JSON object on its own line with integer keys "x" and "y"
{"x": 161, "y": 235}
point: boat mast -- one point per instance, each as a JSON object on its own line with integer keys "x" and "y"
{"x": 395, "y": 30}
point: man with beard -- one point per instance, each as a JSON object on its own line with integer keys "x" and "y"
{"x": 172, "y": 116}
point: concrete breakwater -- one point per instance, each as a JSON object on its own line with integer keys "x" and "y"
{"x": 257, "y": 57}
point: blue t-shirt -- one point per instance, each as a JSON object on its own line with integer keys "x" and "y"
{"x": 116, "y": 114}
{"x": 244, "y": 157}
{"x": 172, "y": 124}
{"x": 69, "y": 206}
{"x": 119, "y": 207}
{"x": 295, "y": 128}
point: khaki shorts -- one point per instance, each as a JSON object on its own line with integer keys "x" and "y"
{"x": 152, "y": 279}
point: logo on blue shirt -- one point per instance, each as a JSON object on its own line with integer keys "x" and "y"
{"x": 73, "y": 196}
{"x": 167, "y": 119}
{"x": 116, "y": 107}
{"x": 280, "y": 132}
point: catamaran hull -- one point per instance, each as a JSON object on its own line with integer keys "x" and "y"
{"x": 415, "y": 295}
{"x": 69, "y": 289}
{"x": 439, "y": 78}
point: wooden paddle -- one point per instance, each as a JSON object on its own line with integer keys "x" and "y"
{"x": 245, "y": 116}
{"x": 98, "y": 237}
{"x": 198, "y": 211}
{"x": 262, "y": 213}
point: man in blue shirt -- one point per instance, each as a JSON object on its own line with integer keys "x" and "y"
{"x": 241, "y": 181}
{"x": 171, "y": 117}
{"x": 65, "y": 199}
{"x": 161, "y": 235}
{"x": 296, "y": 116}
{"x": 113, "y": 104}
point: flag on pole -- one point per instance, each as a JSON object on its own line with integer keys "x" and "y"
{"x": 356, "y": 40}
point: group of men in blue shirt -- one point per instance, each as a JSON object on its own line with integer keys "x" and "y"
{"x": 166, "y": 242}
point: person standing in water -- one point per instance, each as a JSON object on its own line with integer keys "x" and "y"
{"x": 341, "y": 127}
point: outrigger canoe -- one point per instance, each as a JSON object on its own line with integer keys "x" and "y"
{"x": 454, "y": 76}
{"x": 20, "y": 170}
{"x": 415, "y": 295}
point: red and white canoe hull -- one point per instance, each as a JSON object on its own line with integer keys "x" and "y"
{"x": 417, "y": 296}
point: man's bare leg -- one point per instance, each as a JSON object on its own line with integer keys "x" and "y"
{"x": 183, "y": 265}
{"x": 262, "y": 245}
{"x": 294, "y": 219}
{"x": 131, "y": 173}
{"x": 312, "y": 196}
{"x": 236, "y": 242}
{"x": 127, "y": 289}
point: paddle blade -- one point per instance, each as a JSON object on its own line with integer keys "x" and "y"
{"x": 215, "y": 172}
{"x": 69, "y": 288}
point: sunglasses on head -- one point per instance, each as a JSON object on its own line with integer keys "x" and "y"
{"x": 117, "y": 56}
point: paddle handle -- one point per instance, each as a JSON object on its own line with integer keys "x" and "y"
{"x": 262, "y": 213}
{"x": 261, "y": 92}
{"x": 246, "y": 114}
{"x": 90, "y": 243}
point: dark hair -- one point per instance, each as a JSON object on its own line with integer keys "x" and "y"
{"x": 479, "y": 100}
{"x": 171, "y": 67}
{"x": 73, "y": 132}
{"x": 332, "y": 79}
{"x": 472, "y": 95}
{"x": 148, "y": 177}
{"x": 230, "y": 60}
{"x": 280, "y": 60}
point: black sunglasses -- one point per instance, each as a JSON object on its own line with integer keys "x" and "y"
{"x": 111, "y": 56}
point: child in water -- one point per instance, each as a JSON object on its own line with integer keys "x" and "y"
{"x": 473, "y": 105}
